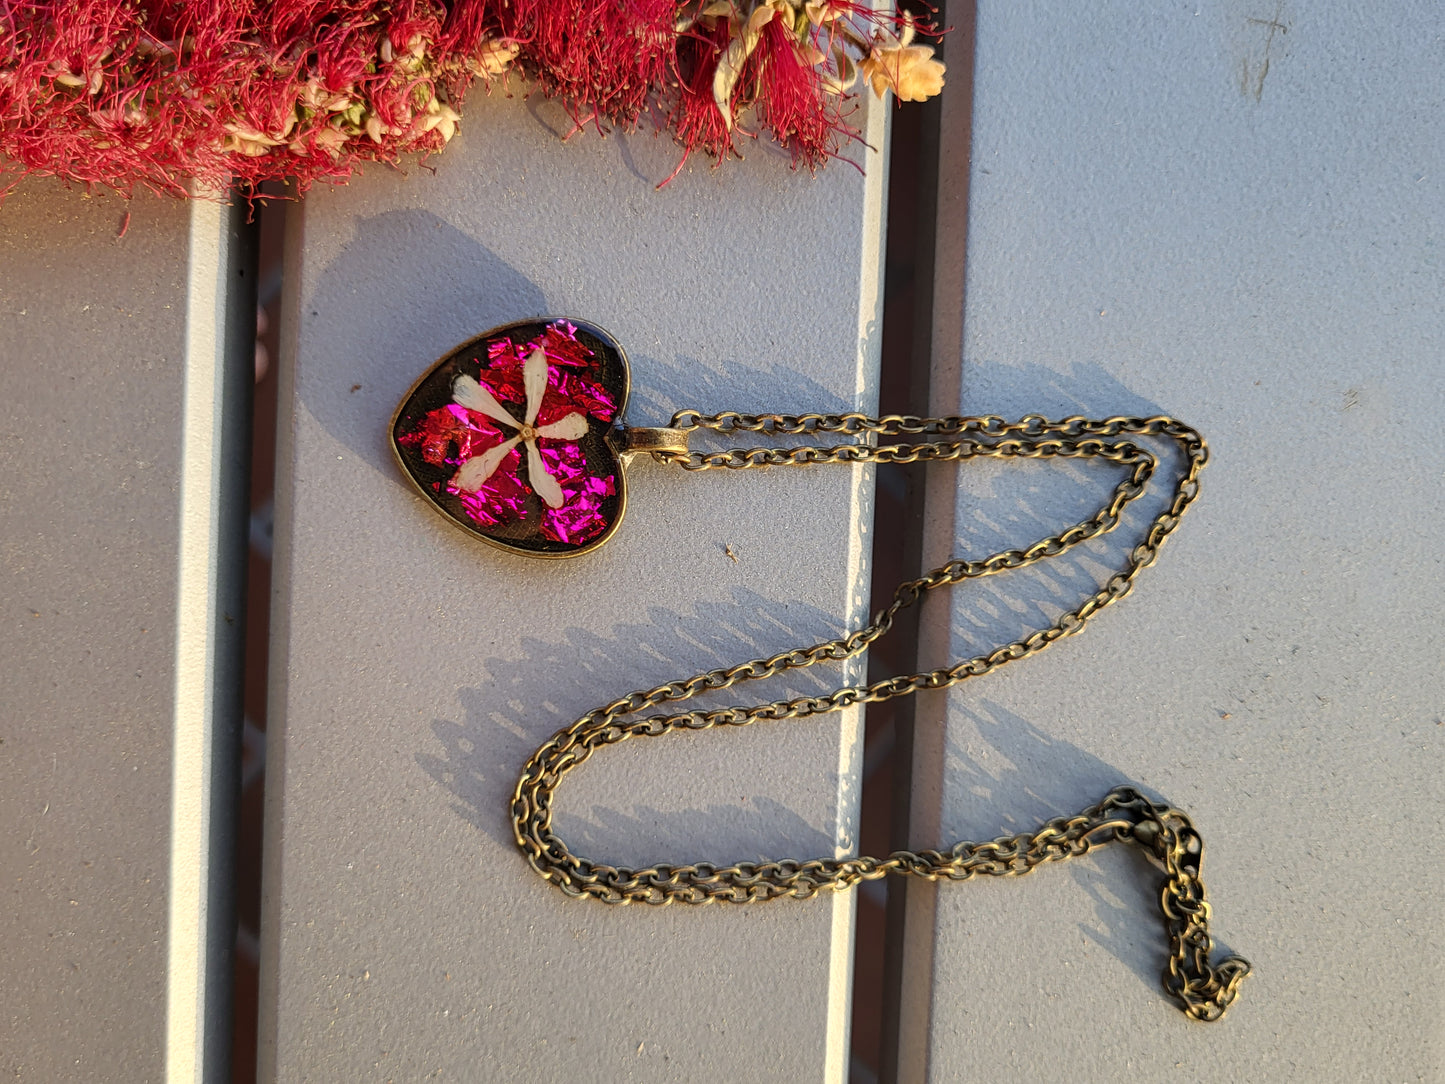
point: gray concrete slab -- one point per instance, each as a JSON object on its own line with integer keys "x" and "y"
{"x": 99, "y": 335}
{"x": 416, "y": 669}
{"x": 1232, "y": 213}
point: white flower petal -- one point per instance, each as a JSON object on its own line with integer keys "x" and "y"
{"x": 725, "y": 78}
{"x": 572, "y": 427}
{"x": 730, "y": 64}
{"x": 545, "y": 485}
{"x": 534, "y": 377}
{"x": 467, "y": 392}
{"x": 479, "y": 468}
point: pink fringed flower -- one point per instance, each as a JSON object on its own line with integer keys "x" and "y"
{"x": 160, "y": 92}
{"x": 792, "y": 98}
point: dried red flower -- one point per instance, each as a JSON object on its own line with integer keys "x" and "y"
{"x": 160, "y": 92}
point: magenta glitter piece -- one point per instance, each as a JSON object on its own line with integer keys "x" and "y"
{"x": 502, "y": 498}
{"x": 445, "y": 430}
{"x": 581, "y": 519}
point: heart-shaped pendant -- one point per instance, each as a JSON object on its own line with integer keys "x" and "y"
{"x": 515, "y": 436}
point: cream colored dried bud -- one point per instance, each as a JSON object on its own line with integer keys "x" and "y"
{"x": 493, "y": 58}
{"x": 730, "y": 64}
{"x": 441, "y": 118}
{"x": 820, "y": 12}
{"x": 67, "y": 78}
{"x": 317, "y": 98}
{"x": 245, "y": 140}
{"x": 151, "y": 47}
{"x": 312, "y": 94}
{"x": 331, "y": 140}
{"x": 245, "y": 133}
{"x": 847, "y": 72}
{"x": 910, "y": 71}
{"x": 246, "y": 147}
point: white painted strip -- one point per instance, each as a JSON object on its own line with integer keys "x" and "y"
{"x": 860, "y": 562}
{"x": 195, "y": 645}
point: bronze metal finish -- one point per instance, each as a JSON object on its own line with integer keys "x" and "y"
{"x": 1203, "y": 989}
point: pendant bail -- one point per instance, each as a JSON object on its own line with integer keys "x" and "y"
{"x": 641, "y": 440}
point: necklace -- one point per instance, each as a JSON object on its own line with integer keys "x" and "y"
{"x": 551, "y": 394}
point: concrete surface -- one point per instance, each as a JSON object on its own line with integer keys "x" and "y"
{"x": 1232, "y": 213}
{"x": 415, "y": 669}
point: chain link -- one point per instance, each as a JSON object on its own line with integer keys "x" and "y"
{"x": 1203, "y": 989}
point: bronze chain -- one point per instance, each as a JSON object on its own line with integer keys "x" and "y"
{"x": 1204, "y": 989}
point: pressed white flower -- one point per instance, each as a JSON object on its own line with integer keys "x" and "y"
{"x": 470, "y": 393}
